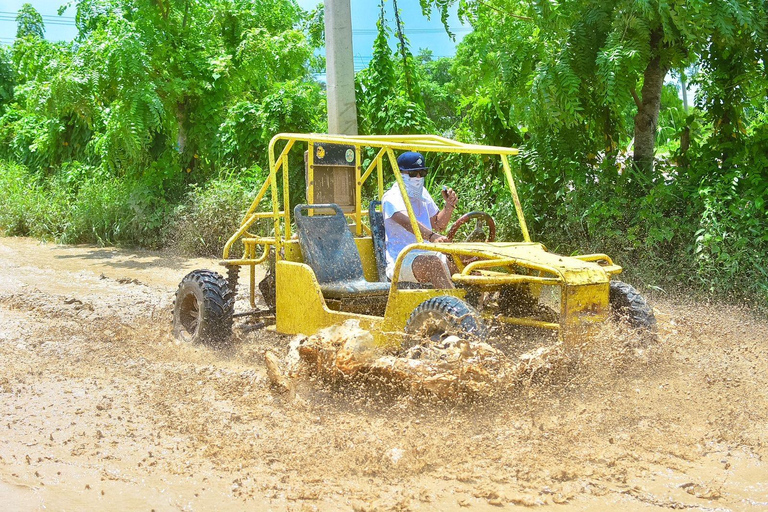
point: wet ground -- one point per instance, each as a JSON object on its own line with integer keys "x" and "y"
{"x": 101, "y": 409}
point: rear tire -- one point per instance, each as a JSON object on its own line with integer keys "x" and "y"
{"x": 446, "y": 315}
{"x": 202, "y": 311}
{"x": 627, "y": 304}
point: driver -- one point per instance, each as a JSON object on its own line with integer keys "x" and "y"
{"x": 419, "y": 266}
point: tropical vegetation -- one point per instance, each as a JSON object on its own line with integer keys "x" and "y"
{"x": 152, "y": 125}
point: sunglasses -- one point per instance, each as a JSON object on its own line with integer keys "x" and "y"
{"x": 421, "y": 173}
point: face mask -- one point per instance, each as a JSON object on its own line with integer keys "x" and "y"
{"x": 413, "y": 186}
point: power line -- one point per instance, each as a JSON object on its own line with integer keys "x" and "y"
{"x": 42, "y": 15}
{"x": 47, "y": 23}
{"x": 424, "y": 30}
{"x": 70, "y": 21}
{"x": 369, "y": 57}
{"x": 53, "y": 19}
{"x": 367, "y": 31}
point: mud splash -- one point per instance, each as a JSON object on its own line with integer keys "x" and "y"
{"x": 102, "y": 409}
{"x": 450, "y": 369}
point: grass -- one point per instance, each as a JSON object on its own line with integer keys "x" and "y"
{"x": 79, "y": 204}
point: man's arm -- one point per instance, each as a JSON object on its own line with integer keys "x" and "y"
{"x": 426, "y": 233}
{"x": 441, "y": 219}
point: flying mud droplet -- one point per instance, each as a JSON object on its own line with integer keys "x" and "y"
{"x": 276, "y": 377}
{"x": 448, "y": 369}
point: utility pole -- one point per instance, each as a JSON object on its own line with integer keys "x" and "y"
{"x": 340, "y": 68}
{"x": 684, "y": 90}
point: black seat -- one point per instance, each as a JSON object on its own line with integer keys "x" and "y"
{"x": 329, "y": 249}
{"x": 376, "y": 219}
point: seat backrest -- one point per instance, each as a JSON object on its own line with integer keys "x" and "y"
{"x": 376, "y": 218}
{"x": 327, "y": 244}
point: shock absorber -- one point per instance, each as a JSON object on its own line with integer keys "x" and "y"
{"x": 233, "y": 273}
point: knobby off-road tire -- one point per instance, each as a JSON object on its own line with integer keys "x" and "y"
{"x": 446, "y": 315}
{"x": 627, "y": 304}
{"x": 202, "y": 311}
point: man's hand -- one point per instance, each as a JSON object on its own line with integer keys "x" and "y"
{"x": 450, "y": 197}
{"x": 438, "y": 238}
{"x": 441, "y": 219}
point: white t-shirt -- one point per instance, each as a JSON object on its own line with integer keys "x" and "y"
{"x": 396, "y": 236}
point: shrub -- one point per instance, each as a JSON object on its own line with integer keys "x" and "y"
{"x": 27, "y": 208}
{"x": 210, "y": 214}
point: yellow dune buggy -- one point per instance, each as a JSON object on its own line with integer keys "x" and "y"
{"x": 326, "y": 257}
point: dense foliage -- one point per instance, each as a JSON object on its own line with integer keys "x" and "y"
{"x": 151, "y": 98}
{"x": 580, "y": 87}
{"x": 155, "y": 121}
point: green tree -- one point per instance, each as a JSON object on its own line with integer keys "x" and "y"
{"x": 7, "y": 78}
{"x": 29, "y": 23}
{"x": 148, "y": 85}
{"x": 144, "y": 103}
{"x": 438, "y": 90}
{"x": 388, "y": 91}
{"x": 576, "y": 84}
{"x": 594, "y": 56}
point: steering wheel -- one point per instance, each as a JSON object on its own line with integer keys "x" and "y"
{"x": 482, "y": 219}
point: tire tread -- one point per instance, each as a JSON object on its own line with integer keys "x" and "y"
{"x": 464, "y": 317}
{"x": 628, "y": 303}
{"x": 217, "y": 305}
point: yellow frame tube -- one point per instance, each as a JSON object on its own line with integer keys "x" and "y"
{"x": 251, "y": 215}
{"x": 404, "y": 142}
{"x": 264, "y": 215}
{"x": 252, "y": 280}
{"x": 286, "y": 196}
{"x": 275, "y": 198}
{"x": 374, "y": 165}
{"x": 508, "y": 279}
{"x": 475, "y": 265}
{"x": 489, "y": 260}
{"x": 265, "y": 186}
{"x": 431, "y": 247}
{"x": 263, "y": 240}
{"x": 358, "y": 193}
{"x": 406, "y": 199}
{"x": 244, "y": 228}
{"x": 240, "y": 232}
{"x": 380, "y": 172}
{"x": 594, "y": 257}
{"x": 527, "y": 322}
{"x": 310, "y": 174}
{"x": 257, "y": 261}
{"x": 515, "y": 198}
{"x": 255, "y": 203}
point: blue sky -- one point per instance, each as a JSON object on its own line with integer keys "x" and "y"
{"x": 421, "y": 32}
{"x": 56, "y": 28}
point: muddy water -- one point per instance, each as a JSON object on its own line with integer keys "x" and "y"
{"x": 100, "y": 408}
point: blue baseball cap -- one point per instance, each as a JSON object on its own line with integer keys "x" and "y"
{"x": 411, "y": 161}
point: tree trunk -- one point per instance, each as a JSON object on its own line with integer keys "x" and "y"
{"x": 647, "y": 117}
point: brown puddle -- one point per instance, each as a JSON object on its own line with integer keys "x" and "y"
{"x": 102, "y": 409}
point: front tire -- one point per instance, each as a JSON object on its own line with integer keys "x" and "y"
{"x": 446, "y": 315}
{"x": 627, "y": 304}
{"x": 202, "y": 311}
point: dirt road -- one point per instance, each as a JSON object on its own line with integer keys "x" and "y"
{"x": 102, "y": 410}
